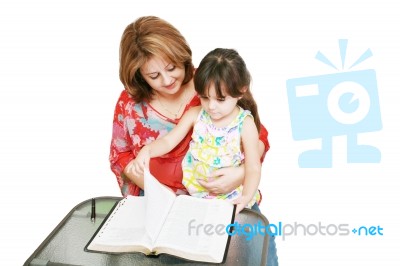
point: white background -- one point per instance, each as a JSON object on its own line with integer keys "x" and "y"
{"x": 59, "y": 84}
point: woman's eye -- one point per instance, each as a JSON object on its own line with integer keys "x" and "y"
{"x": 221, "y": 99}
{"x": 171, "y": 68}
{"x": 154, "y": 76}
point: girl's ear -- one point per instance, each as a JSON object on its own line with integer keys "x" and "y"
{"x": 243, "y": 91}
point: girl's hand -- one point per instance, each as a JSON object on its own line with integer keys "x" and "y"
{"x": 241, "y": 202}
{"x": 140, "y": 162}
{"x": 224, "y": 180}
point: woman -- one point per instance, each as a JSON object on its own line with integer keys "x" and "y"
{"x": 156, "y": 70}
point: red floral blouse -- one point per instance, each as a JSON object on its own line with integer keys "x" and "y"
{"x": 138, "y": 124}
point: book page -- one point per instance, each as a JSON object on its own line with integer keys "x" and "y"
{"x": 124, "y": 229}
{"x": 159, "y": 201}
{"x": 195, "y": 229}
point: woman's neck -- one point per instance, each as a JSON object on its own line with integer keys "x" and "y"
{"x": 173, "y": 105}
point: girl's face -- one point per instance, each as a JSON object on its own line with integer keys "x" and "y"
{"x": 221, "y": 110}
{"x": 163, "y": 76}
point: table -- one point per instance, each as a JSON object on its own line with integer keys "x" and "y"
{"x": 65, "y": 244}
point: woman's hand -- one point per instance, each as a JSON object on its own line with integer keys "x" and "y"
{"x": 224, "y": 180}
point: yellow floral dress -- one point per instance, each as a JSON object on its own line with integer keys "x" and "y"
{"x": 212, "y": 148}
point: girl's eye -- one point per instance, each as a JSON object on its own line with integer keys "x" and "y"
{"x": 221, "y": 99}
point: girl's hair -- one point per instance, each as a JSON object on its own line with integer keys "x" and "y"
{"x": 144, "y": 38}
{"x": 227, "y": 71}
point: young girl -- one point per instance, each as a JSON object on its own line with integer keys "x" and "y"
{"x": 225, "y": 128}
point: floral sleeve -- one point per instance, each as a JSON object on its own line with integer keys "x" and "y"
{"x": 120, "y": 151}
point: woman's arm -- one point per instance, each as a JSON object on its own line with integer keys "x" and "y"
{"x": 263, "y": 142}
{"x": 121, "y": 148}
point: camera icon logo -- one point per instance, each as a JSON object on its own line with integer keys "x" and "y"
{"x": 325, "y": 106}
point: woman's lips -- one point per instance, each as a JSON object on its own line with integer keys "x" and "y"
{"x": 170, "y": 87}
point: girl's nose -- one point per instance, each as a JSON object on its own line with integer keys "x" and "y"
{"x": 211, "y": 104}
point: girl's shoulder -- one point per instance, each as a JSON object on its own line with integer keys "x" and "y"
{"x": 242, "y": 115}
{"x": 194, "y": 111}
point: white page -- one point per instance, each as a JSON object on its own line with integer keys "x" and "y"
{"x": 159, "y": 200}
{"x": 124, "y": 227}
{"x": 177, "y": 235}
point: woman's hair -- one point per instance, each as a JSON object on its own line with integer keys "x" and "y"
{"x": 227, "y": 71}
{"x": 146, "y": 37}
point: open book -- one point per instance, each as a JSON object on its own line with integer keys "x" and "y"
{"x": 161, "y": 222}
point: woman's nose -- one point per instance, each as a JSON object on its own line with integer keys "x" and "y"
{"x": 167, "y": 79}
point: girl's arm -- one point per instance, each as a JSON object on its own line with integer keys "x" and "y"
{"x": 252, "y": 163}
{"x": 166, "y": 143}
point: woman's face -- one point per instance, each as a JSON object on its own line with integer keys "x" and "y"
{"x": 163, "y": 76}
